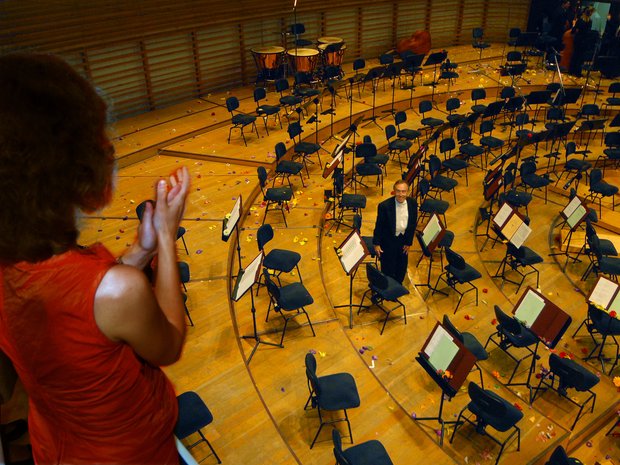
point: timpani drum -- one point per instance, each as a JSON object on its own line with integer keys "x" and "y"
{"x": 269, "y": 61}
{"x": 332, "y": 58}
{"x": 330, "y": 40}
{"x": 303, "y": 60}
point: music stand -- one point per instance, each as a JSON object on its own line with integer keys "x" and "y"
{"x": 447, "y": 362}
{"x": 351, "y": 252}
{"x": 413, "y": 64}
{"x": 537, "y": 98}
{"x": 605, "y": 295}
{"x": 545, "y": 320}
{"x": 392, "y": 71}
{"x": 511, "y": 225}
{"x": 573, "y": 215}
{"x": 566, "y": 97}
{"x": 435, "y": 59}
{"x": 557, "y": 134}
{"x": 373, "y": 75}
{"x": 491, "y": 185}
{"x": 245, "y": 280}
{"x": 590, "y": 127}
{"x": 231, "y": 223}
{"x": 429, "y": 239}
{"x": 516, "y": 72}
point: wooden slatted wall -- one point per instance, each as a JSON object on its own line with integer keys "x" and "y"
{"x": 147, "y": 54}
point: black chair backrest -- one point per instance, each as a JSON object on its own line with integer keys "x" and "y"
{"x": 336, "y": 439}
{"x": 528, "y": 167}
{"x": 485, "y": 402}
{"x": 522, "y": 119}
{"x": 477, "y": 32}
{"x": 141, "y": 207}
{"x": 259, "y": 94}
{"x": 357, "y": 222}
{"x": 434, "y": 165}
{"x": 571, "y": 148}
{"x": 564, "y": 369}
{"x": 375, "y": 277}
{"x": 596, "y": 176}
{"x": 183, "y": 272}
{"x": 390, "y": 131}
{"x": 559, "y": 457}
{"x": 463, "y": 134}
{"x": 281, "y": 85}
{"x": 359, "y": 63}
{"x": 487, "y": 126}
{"x": 262, "y": 176}
{"x": 513, "y": 55}
{"x": 478, "y": 94}
{"x": 455, "y": 259}
{"x": 400, "y": 117}
{"x": 232, "y": 103}
{"x": 386, "y": 59}
{"x": 507, "y": 323}
{"x": 313, "y": 379}
{"x": 451, "y": 328}
{"x": 366, "y": 150}
{"x": 612, "y": 139}
{"x": 595, "y": 245}
{"x": 264, "y": 235}
{"x": 446, "y": 145}
{"x": 507, "y": 92}
{"x": 453, "y": 103}
{"x": 280, "y": 150}
{"x": 272, "y": 288}
{"x": 590, "y": 109}
{"x": 425, "y": 105}
{"x": 294, "y": 130}
{"x": 423, "y": 188}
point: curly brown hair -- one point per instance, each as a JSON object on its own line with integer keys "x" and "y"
{"x": 55, "y": 157}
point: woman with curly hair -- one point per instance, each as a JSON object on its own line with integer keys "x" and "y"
{"x": 86, "y": 333}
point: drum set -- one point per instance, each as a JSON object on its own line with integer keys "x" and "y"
{"x": 322, "y": 63}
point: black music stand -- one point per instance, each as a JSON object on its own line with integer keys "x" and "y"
{"x": 545, "y": 320}
{"x": 429, "y": 238}
{"x": 568, "y": 97}
{"x": 447, "y": 362}
{"x": 491, "y": 184}
{"x": 351, "y": 253}
{"x": 413, "y": 64}
{"x": 231, "y": 223}
{"x": 516, "y": 72}
{"x": 589, "y": 127}
{"x": 573, "y": 215}
{"x": 373, "y": 75}
{"x": 245, "y": 280}
{"x": 435, "y": 59}
{"x": 537, "y": 98}
{"x": 393, "y": 71}
{"x": 557, "y": 135}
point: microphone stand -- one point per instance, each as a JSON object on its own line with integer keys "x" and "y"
{"x": 597, "y": 48}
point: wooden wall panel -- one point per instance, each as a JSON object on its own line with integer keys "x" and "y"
{"x": 146, "y": 54}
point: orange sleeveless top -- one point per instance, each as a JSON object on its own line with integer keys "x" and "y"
{"x": 92, "y": 400}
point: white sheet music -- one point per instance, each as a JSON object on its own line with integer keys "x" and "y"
{"x": 572, "y": 206}
{"x": 603, "y": 292}
{"x": 441, "y": 349}
{"x": 615, "y": 304}
{"x": 520, "y": 235}
{"x": 529, "y": 308}
{"x": 576, "y": 216}
{"x": 502, "y": 215}
{"x": 232, "y": 220}
{"x": 432, "y": 228}
{"x": 247, "y": 277}
{"x": 351, "y": 252}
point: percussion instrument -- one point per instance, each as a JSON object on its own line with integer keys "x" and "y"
{"x": 333, "y": 58}
{"x": 303, "y": 60}
{"x": 330, "y": 40}
{"x": 268, "y": 61}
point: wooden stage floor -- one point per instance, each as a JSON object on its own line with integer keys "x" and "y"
{"x": 258, "y": 407}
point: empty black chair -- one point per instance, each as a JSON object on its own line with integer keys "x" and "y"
{"x": 367, "y": 453}
{"x": 466, "y": 147}
{"x": 575, "y": 167}
{"x": 513, "y": 35}
{"x": 403, "y": 133}
{"x": 330, "y": 393}
{"x": 451, "y": 163}
{"x": 438, "y": 181}
{"x": 613, "y": 101}
{"x": 518, "y": 258}
{"x": 239, "y": 120}
{"x": 490, "y": 410}
{"x": 569, "y": 375}
{"x": 453, "y": 104}
{"x": 458, "y": 272}
{"x": 477, "y": 34}
{"x": 352, "y": 203}
{"x": 289, "y": 102}
{"x": 612, "y": 149}
{"x": 304, "y": 86}
{"x": 193, "y": 416}
{"x": 511, "y": 194}
{"x": 286, "y": 168}
{"x": 600, "y": 189}
{"x": 476, "y": 95}
{"x": 396, "y": 146}
{"x": 601, "y": 324}
{"x": 602, "y": 248}
{"x": 381, "y": 289}
{"x": 530, "y": 179}
{"x": 559, "y": 457}
{"x": 278, "y": 260}
{"x": 303, "y": 149}
{"x": 489, "y": 142}
{"x": 429, "y": 205}
{"x": 265, "y": 111}
{"x": 470, "y": 342}
{"x": 277, "y": 197}
{"x": 511, "y": 333}
{"x": 289, "y": 301}
{"x": 298, "y": 29}
{"x": 599, "y": 262}
{"x": 372, "y": 164}
{"x": 429, "y": 123}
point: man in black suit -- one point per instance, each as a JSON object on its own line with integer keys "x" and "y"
{"x": 394, "y": 229}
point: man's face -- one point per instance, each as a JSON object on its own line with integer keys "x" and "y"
{"x": 400, "y": 192}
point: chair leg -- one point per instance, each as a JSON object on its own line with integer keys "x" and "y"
{"x": 309, "y": 322}
{"x": 283, "y": 331}
{"x": 184, "y": 245}
{"x": 319, "y": 431}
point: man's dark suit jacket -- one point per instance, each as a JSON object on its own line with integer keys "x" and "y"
{"x": 385, "y": 227}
